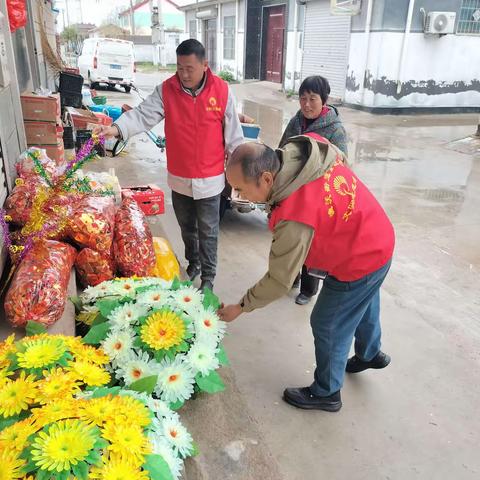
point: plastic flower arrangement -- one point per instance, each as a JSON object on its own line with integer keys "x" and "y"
{"x": 162, "y": 336}
{"x": 104, "y": 434}
{"x": 42, "y": 368}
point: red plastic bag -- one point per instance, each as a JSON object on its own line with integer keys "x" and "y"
{"x": 93, "y": 267}
{"x": 19, "y": 203}
{"x": 26, "y": 168}
{"x": 92, "y": 224}
{"x": 39, "y": 287}
{"x": 17, "y": 14}
{"x": 133, "y": 245}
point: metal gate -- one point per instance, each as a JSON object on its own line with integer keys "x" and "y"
{"x": 326, "y": 44}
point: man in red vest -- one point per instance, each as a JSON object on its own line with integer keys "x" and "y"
{"x": 201, "y": 125}
{"x": 323, "y": 216}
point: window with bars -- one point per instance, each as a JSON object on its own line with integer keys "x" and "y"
{"x": 192, "y": 27}
{"x": 469, "y": 20}
{"x": 229, "y": 38}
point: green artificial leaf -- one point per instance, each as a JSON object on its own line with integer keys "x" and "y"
{"x": 104, "y": 391}
{"x": 94, "y": 458}
{"x": 159, "y": 355}
{"x": 35, "y": 328}
{"x": 212, "y": 383}
{"x": 183, "y": 347}
{"x": 80, "y": 470}
{"x": 210, "y": 299}
{"x": 77, "y": 302}
{"x": 97, "y": 334}
{"x": 170, "y": 354}
{"x": 157, "y": 467}
{"x": 43, "y": 475}
{"x": 176, "y": 284}
{"x": 30, "y": 466}
{"x": 222, "y": 355}
{"x": 99, "y": 318}
{"x": 145, "y": 384}
{"x": 107, "y": 305}
{"x": 87, "y": 318}
{"x": 13, "y": 359}
{"x": 65, "y": 475}
{"x": 177, "y": 405}
{"x": 6, "y": 422}
{"x": 195, "y": 451}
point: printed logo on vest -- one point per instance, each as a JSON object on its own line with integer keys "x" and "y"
{"x": 213, "y": 105}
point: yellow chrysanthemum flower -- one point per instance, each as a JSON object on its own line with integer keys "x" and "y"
{"x": 58, "y": 410}
{"x": 131, "y": 410}
{"x": 57, "y": 384}
{"x": 116, "y": 467}
{"x": 5, "y": 373}
{"x": 10, "y": 465}
{"x": 41, "y": 353}
{"x": 91, "y": 354}
{"x": 99, "y": 410}
{"x": 17, "y": 395}
{"x": 7, "y": 347}
{"x": 163, "y": 330}
{"x": 63, "y": 444}
{"x": 91, "y": 375}
{"x": 16, "y": 436}
{"x": 129, "y": 441}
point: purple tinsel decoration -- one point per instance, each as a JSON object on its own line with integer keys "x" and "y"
{"x": 84, "y": 151}
{"x": 5, "y": 230}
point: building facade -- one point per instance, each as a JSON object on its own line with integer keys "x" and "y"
{"x": 384, "y": 59}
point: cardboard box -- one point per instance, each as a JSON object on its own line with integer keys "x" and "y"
{"x": 82, "y": 118}
{"x": 150, "y": 198}
{"x": 43, "y": 133}
{"x": 41, "y": 108}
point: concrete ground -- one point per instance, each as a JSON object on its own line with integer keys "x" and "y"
{"x": 419, "y": 417}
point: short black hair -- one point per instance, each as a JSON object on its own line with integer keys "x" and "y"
{"x": 255, "y": 159}
{"x": 191, "y": 47}
{"x": 316, "y": 84}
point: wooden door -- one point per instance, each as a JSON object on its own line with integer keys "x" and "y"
{"x": 274, "y": 31}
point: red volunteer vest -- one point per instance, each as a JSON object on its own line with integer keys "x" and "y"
{"x": 353, "y": 235}
{"x": 194, "y": 128}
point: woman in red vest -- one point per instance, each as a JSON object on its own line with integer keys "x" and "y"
{"x": 201, "y": 125}
{"x": 324, "y": 217}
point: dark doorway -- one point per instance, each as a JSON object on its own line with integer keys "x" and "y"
{"x": 274, "y": 32}
{"x": 210, "y": 42}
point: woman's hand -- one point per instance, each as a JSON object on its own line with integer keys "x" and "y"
{"x": 245, "y": 118}
{"x": 107, "y": 132}
{"x": 230, "y": 312}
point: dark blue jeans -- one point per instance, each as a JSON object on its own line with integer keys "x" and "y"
{"x": 345, "y": 310}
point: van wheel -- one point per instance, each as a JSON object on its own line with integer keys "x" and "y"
{"x": 93, "y": 85}
{"x": 127, "y": 88}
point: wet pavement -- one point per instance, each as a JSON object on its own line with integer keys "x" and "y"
{"x": 419, "y": 417}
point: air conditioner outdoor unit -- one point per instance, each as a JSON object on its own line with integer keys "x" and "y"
{"x": 440, "y": 23}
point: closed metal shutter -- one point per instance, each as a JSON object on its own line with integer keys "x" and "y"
{"x": 325, "y": 48}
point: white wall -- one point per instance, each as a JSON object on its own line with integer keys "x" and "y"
{"x": 143, "y": 53}
{"x": 442, "y": 62}
{"x": 294, "y": 49}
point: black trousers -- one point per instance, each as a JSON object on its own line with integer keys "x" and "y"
{"x": 308, "y": 284}
{"x": 199, "y": 223}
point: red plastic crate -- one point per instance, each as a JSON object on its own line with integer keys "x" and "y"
{"x": 150, "y": 198}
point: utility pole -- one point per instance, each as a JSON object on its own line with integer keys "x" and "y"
{"x": 132, "y": 17}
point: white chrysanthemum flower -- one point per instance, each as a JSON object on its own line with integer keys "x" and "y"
{"x": 202, "y": 357}
{"x": 160, "y": 408}
{"x": 188, "y": 299}
{"x": 150, "y": 281}
{"x": 90, "y": 294}
{"x": 127, "y": 314}
{"x": 125, "y": 287}
{"x": 118, "y": 344}
{"x": 208, "y": 325}
{"x": 134, "y": 367}
{"x": 160, "y": 446}
{"x": 90, "y": 309}
{"x": 177, "y": 436}
{"x": 154, "y": 298}
{"x": 175, "y": 380}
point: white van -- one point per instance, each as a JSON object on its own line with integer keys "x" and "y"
{"x": 107, "y": 60}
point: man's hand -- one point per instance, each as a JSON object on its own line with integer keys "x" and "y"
{"x": 245, "y": 118}
{"x": 107, "y": 132}
{"x": 230, "y": 312}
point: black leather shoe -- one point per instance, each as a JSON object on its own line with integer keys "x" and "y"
{"x": 355, "y": 365}
{"x": 302, "y": 299}
{"x": 206, "y": 284}
{"x": 304, "y": 398}
{"x": 193, "y": 271}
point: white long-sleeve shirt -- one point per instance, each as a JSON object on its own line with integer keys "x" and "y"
{"x": 151, "y": 112}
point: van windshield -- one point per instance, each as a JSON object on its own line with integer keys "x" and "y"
{"x": 115, "y": 48}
